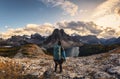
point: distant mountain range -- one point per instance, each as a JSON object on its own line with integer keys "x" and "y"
{"x": 110, "y": 41}
{"x": 74, "y": 45}
{"x": 22, "y": 40}
{"x": 90, "y": 39}
{"x": 67, "y": 40}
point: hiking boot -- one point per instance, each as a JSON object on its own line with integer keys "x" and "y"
{"x": 60, "y": 72}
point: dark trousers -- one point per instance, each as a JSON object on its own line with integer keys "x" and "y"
{"x": 58, "y": 62}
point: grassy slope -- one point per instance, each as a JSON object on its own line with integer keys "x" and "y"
{"x": 8, "y": 52}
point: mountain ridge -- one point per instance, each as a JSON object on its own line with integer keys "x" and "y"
{"x": 58, "y": 34}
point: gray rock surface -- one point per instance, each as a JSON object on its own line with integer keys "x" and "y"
{"x": 102, "y": 66}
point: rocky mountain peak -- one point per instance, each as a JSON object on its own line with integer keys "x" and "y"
{"x": 62, "y": 32}
{"x": 56, "y": 34}
{"x": 59, "y": 34}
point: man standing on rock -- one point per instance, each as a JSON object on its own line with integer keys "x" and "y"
{"x": 59, "y": 56}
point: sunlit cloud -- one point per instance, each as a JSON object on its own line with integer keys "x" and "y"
{"x": 88, "y": 28}
{"x": 29, "y": 29}
{"x": 112, "y": 20}
{"x": 68, "y": 6}
{"x": 83, "y": 11}
{"x": 108, "y": 14}
{"x": 106, "y": 8}
{"x": 117, "y": 11}
{"x": 109, "y": 33}
{"x": 80, "y": 26}
{"x": 71, "y": 27}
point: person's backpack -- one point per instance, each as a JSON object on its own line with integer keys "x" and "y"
{"x": 57, "y": 52}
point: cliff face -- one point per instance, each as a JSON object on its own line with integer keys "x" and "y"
{"x": 101, "y": 66}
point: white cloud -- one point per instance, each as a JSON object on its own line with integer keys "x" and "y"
{"x": 70, "y": 8}
{"x": 88, "y": 28}
{"x": 81, "y": 28}
{"x": 66, "y": 5}
{"x": 83, "y": 11}
{"x": 29, "y": 29}
{"x": 109, "y": 33}
{"x": 7, "y": 27}
{"x": 106, "y": 8}
{"x": 107, "y": 14}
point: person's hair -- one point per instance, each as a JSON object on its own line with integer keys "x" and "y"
{"x": 59, "y": 43}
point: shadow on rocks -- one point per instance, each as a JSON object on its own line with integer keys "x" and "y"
{"x": 29, "y": 77}
{"x": 49, "y": 74}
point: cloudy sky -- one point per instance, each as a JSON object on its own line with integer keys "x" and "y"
{"x": 83, "y": 17}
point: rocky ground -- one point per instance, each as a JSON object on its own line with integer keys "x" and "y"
{"x": 102, "y": 66}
